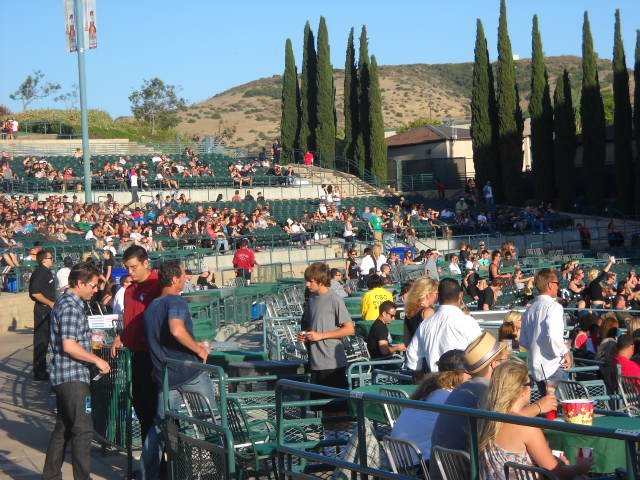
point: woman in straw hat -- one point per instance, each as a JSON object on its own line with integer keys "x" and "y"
{"x": 510, "y": 392}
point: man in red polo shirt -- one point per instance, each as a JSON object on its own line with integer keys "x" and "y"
{"x": 244, "y": 261}
{"x": 625, "y": 352}
{"x": 137, "y": 297}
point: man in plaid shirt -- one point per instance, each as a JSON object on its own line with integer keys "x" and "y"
{"x": 71, "y": 358}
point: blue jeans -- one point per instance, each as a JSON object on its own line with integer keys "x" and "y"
{"x": 155, "y": 442}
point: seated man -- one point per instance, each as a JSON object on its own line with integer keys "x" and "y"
{"x": 379, "y": 339}
{"x": 489, "y": 295}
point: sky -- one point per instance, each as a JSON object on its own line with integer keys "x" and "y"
{"x": 208, "y": 46}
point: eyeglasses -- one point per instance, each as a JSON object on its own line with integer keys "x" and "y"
{"x": 92, "y": 285}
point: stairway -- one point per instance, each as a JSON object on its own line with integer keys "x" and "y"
{"x": 349, "y": 184}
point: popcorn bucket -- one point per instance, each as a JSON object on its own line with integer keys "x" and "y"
{"x": 579, "y": 411}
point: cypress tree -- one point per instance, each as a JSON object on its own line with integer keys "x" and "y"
{"x": 593, "y": 121}
{"x": 509, "y": 115}
{"x": 636, "y": 118}
{"x": 326, "y": 126}
{"x": 564, "y": 124}
{"x": 622, "y": 123}
{"x": 378, "y": 144}
{"x": 483, "y": 117}
{"x": 541, "y": 113}
{"x": 362, "y": 144}
{"x": 351, "y": 109}
{"x": 308, "y": 93}
{"x": 289, "y": 126}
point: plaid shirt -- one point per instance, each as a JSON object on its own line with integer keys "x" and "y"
{"x": 68, "y": 321}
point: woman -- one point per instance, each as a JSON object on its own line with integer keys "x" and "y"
{"x": 408, "y": 258}
{"x": 349, "y": 233}
{"x": 595, "y": 290}
{"x": 454, "y": 266}
{"x": 378, "y": 257}
{"x": 418, "y": 306}
{"x": 510, "y": 329}
{"x": 510, "y": 392}
{"x": 576, "y": 287}
{"x": 352, "y": 268}
{"x": 417, "y": 425}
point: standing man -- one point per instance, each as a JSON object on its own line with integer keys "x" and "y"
{"x": 244, "y": 261}
{"x": 42, "y": 290}
{"x": 133, "y": 179}
{"x": 325, "y": 323}
{"x": 447, "y": 329}
{"x": 379, "y": 339}
{"x": 169, "y": 332}
{"x": 375, "y": 224}
{"x": 542, "y": 333}
{"x": 487, "y": 191}
{"x": 137, "y": 297}
{"x": 71, "y": 357}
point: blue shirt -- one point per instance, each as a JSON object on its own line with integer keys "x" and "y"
{"x": 163, "y": 345}
{"x": 68, "y": 321}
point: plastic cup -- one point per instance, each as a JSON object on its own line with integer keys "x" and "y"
{"x": 585, "y": 452}
{"x": 552, "y": 414}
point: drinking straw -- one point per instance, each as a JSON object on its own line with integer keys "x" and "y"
{"x": 544, "y": 376}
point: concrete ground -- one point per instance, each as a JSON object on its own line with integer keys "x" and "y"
{"x": 26, "y": 418}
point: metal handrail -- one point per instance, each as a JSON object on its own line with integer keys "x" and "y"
{"x": 284, "y": 448}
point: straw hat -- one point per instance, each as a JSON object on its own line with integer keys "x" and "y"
{"x": 482, "y": 351}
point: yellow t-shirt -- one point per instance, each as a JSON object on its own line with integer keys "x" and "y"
{"x": 372, "y": 300}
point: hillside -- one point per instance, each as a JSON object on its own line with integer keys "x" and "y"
{"x": 249, "y": 114}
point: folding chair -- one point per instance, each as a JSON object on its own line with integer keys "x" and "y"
{"x": 452, "y": 464}
{"x": 405, "y": 458}
{"x": 392, "y": 411}
{"x": 516, "y": 471}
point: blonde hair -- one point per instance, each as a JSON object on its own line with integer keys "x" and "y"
{"x": 593, "y": 274}
{"x": 513, "y": 316}
{"x": 417, "y": 293}
{"x": 506, "y": 386}
{"x": 377, "y": 251}
{"x": 633, "y": 323}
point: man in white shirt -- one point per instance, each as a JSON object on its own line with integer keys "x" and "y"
{"x": 542, "y": 333}
{"x": 62, "y": 275}
{"x": 447, "y": 329}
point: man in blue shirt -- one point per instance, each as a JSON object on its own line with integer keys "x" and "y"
{"x": 71, "y": 357}
{"x": 169, "y": 331}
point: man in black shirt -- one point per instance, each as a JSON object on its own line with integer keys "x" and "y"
{"x": 42, "y": 290}
{"x": 488, "y": 295}
{"x": 379, "y": 339}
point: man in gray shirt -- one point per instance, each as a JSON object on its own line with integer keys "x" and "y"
{"x": 432, "y": 265}
{"x": 325, "y": 322}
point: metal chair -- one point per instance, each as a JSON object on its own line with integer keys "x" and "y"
{"x": 356, "y": 349}
{"x": 392, "y": 411}
{"x": 570, "y": 390}
{"x": 630, "y": 392}
{"x": 452, "y": 464}
{"x": 516, "y": 471}
{"x": 405, "y": 457}
{"x": 198, "y": 407}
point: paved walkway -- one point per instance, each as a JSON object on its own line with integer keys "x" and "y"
{"x": 26, "y": 418}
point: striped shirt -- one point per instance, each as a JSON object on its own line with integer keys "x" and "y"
{"x": 68, "y": 321}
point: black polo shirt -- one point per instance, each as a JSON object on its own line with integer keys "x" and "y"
{"x": 42, "y": 281}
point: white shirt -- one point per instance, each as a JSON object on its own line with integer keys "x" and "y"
{"x": 118, "y": 301}
{"x": 455, "y": 268}
{"x": 447, "y": 329}
{"x": 542, "y": 334}
{"x": 62, "y": 277}
{"x": 417, "y": 425}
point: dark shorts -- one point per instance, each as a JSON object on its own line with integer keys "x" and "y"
{"x": 335, "y": 378}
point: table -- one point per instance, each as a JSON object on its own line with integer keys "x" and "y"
{"x": 223, "y": 358}
{"x": 396, "y": 329}
{"x": 608, "y": 454}
{"x": 375, "y": 411}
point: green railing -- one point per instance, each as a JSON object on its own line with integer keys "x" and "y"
{"x": 473, "y": 415}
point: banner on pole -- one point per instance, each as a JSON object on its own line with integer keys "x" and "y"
{"x": 89, "y": 29}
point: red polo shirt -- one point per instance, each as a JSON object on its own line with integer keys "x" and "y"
{"x": 628, "y": 367}
{"x": 137, "y": 298}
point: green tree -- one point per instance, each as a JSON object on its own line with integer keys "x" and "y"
{"x": 593, "y": 122}
{"x": 326, "y": 126}
{"x": 308, "y": 92}
{"x": 636, "y": 118}
{"x": 509, "y": 115}
{"x": 418, "y": 122}
{"x": 71, "y": 99}
{"x": 483, "y": 117}
{"x": 541, "y": 113}
{"x": 289, "y": 126}
{"x": 622, "y": 122}
{"x": 377, "y": 144}
{"x": 351, "y": 108}
{"x": 564, "y": 124}
{"x": 157, "y": 103}
{"x": 33, "y": 88}
{"x": 362, "y": 154}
